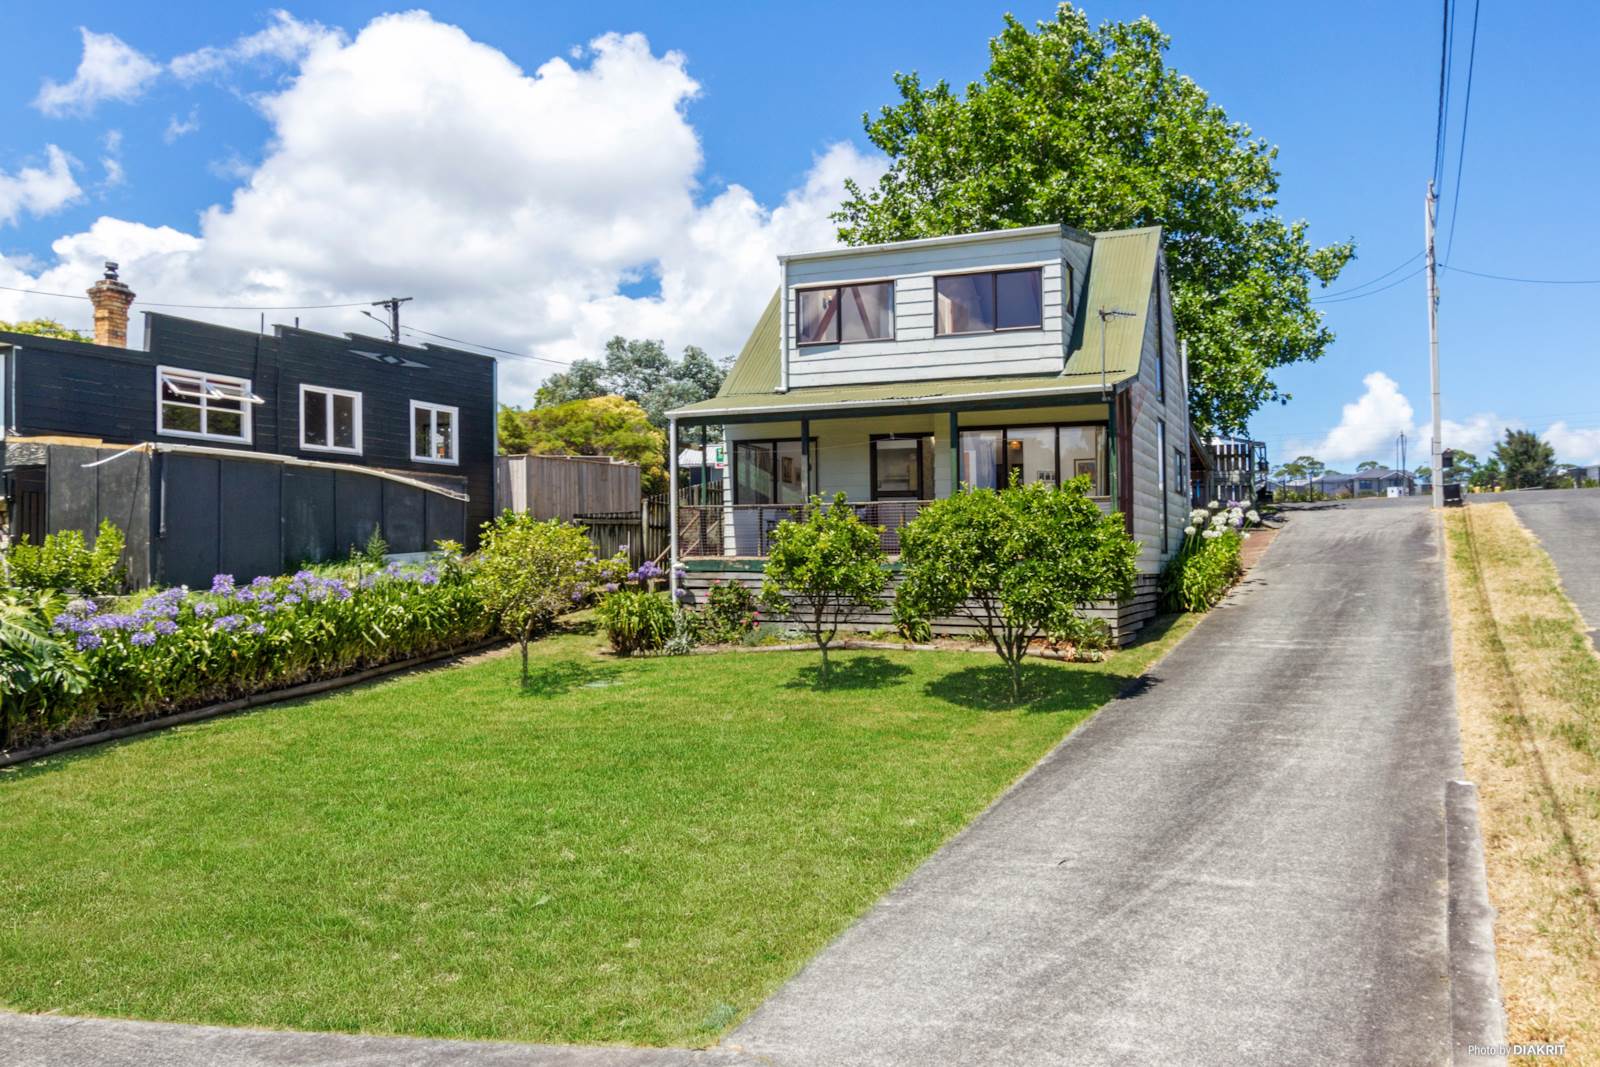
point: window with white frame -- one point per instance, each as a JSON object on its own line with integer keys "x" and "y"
{"x": 330, "y": 419}
{"x": 213, "y": 407}
{"x": 434, "y": 432}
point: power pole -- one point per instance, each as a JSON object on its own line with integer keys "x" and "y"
{"x": 393, "y": 304}
{"x": 1430, "y": 206}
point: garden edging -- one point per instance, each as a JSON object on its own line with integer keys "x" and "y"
{"x": 252, "y": 700}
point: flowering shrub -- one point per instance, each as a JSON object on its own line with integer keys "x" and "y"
{"x": 636, "y": 619}
{"x": 1208, "y": 561}
{"x": 176, "y": 648}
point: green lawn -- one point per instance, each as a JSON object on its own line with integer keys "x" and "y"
{"x": 635, "y": 851}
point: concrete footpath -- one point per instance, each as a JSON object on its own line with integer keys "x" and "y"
{"x": 1245, "y": 862}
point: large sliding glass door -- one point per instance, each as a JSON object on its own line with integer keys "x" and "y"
{"x": 993, "y": 458}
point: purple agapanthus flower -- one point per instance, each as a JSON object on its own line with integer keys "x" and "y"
{"x": 222, "y": 584}
{"x": 611, "y": 587}
{"x": 88, "y": 641}
{"x": 291, "y": 598}
{"x": 228, "y": 622}
{"x": 205, "y": 610}
{"x": 144, "y": 638}
{"x": 81, "y": 606}
{"x": 166, "y": 627}
{"x": 257, "y": 629}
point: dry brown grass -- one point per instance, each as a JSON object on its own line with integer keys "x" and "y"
{"x": 1528, "y": 693}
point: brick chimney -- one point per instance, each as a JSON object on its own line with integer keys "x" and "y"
{"x": 111, "y": 299}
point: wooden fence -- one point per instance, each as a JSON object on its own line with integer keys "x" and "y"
{"x": 564, "y": 487}
{"x": 645, "y": 532}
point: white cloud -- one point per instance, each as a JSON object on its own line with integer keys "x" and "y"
{"x": 1370, "y": 425}
{"x": 38, "y": 190}
{"x": 109, "y": 70}
{"x": 177, "y": 127}
{"x": 287, "y": 40}
{"x": 1574, "y": 446}
{"x": 111, "y": 162}
{"x": 514, "y": 206}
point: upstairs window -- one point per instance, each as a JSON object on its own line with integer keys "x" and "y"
{"x": 988, "y": 302}
{"x": 212, "y": 407}
{"x": 434, "y": 432}
{"x": 330, "y": 419}
{"x": 845, "y": 313}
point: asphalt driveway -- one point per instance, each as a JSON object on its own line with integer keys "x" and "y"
{"x": 1567, "y": 524}
{"x": 1243, "y": 863}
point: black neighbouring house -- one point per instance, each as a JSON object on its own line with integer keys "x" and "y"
{"x": 221, "y": 450}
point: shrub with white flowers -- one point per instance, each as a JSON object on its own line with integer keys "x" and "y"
{"x": 1207, "y": 563}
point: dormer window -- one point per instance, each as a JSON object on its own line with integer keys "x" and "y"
{"x": 843, "y": 314}
{"x": 988, "y": 302}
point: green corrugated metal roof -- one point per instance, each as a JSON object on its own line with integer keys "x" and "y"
{"x": 756, "y": 369}
{"x": 1122, "y": 268}
{"x": 893, "y": 394}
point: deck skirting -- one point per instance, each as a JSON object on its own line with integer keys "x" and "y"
{"x": 1125, "y": 617}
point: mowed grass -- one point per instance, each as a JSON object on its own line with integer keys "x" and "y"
{"x": 1528, "y": 692}
{"x": 631, "y": 851}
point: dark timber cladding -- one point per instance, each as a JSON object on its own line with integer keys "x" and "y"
{"x": 107, "y": 394}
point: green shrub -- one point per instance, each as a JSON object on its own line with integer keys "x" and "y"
{"x": 1197, "y": 578}
{"x": 1084, "y": 634}
{"x": 528, "y": 571}
{"x": 38, "y": 667}
{"x": 825, "y": 571}
{"x": 172, "y": 649}
{"x": 635, "y": 620}
{"x": 729, "y": 615}
{"x": 65, "y": 562}
{"x": 1017, "y": 563}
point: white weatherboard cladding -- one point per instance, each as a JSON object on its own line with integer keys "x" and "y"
{"x": 1160, "y": 343}
{"x": 915, "y": 354}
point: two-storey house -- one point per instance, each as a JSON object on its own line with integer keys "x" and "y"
{"x": 894, "y": 373}
{"x": 218, "y": 450}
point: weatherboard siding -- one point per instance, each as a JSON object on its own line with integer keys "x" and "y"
{"x": 915, "y": 353}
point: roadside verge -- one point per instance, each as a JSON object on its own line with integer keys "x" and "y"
{"x": 1528, "y": 696}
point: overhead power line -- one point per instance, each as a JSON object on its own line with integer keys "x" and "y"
{"x": 1461, "y": 142}
{"x": 199, "y": 307}
{"x": 486, "y": 348}
{"x": 1374, "y": 292}
{"x": 1440, "y": 124}
{"x": 1356, "y": 288}
{"x": 1525, "y": 281}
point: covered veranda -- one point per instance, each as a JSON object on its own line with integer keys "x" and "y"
{"x": 890, "y": 449}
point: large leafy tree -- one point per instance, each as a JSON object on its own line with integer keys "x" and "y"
{"x": 640, "y": 371}
{"x": 1088, "y": 126}
{"x": 1527, "y": 461}
{"x": 1017, "y": 563}
{"x": 593, "y": 426}
{"x": 44, "y": 328}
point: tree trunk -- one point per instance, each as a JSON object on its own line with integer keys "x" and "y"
{"x": 823, "y": 645}
{"x": 523, "y": 641}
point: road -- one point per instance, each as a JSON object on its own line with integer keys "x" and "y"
{"x": 1567, "y": 524}
{"x": 1245, "y": 862}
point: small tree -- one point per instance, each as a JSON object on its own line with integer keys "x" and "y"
{"x": 1018, "y": 563}
{"x": 528, "y": 571}
{"x": 1528, "y": 461}
{"x": 826, "y": 572}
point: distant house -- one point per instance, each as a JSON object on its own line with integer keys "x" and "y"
{"x": 894, "y": 373}
{"x": 1375, "y": 482}
{"x": 223, "y": 450}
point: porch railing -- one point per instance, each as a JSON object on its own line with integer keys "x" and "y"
{"x": 746, "y": 530}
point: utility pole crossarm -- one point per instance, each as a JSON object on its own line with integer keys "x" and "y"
{"x": 393, "y": 304}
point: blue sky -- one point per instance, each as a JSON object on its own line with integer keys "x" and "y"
{"x": 642, "y": 185}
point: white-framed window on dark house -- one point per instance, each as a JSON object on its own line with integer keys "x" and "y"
{"x": 205, "y": 406}
{"x": 435, "y": 432}
{"x": 330, "y": 419}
